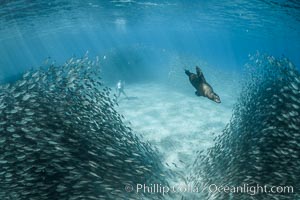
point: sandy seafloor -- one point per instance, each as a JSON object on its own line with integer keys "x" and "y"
{"x": 178, "y": 123}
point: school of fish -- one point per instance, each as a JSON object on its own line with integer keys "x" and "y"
{"x": 61, "y": 138}
{"x": 261, "y": 144}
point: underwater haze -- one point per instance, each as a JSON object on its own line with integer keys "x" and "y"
{"x": 101, "y": 99}
{"x": 140, "y": 36}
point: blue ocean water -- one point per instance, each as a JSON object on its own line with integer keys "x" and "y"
{"x": 65, "y": 135}
{"x": 140, "y": 37}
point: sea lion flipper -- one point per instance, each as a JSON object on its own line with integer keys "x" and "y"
{"x": 198, "y": 70}
{"x": 200, "y": 74}
{"x": 187, "y": 72}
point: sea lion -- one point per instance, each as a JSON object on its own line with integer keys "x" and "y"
{"x": 201, "y": 86}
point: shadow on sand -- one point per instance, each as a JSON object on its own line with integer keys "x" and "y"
{"x": 128, "y": 98}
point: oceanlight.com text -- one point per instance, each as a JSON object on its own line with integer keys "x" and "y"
{"x": 251, "y": 190}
